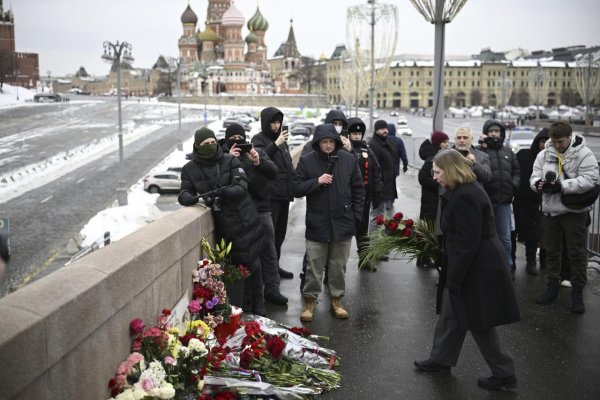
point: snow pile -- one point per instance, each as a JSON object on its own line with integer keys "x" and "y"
{"x": 8, "y": 97}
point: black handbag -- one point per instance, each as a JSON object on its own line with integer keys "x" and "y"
{"x": 581, "y": 200}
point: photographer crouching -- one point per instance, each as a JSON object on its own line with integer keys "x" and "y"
{"x": 565, "y": 167}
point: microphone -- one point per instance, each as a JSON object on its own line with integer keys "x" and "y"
{"x": 550, "y": 176}
{"x": 332, "y": 159}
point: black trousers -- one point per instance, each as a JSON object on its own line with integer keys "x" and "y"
{"x": 280, "y": 210}
{"x": 449, "y": 337}
{"x": 362, "y": 228}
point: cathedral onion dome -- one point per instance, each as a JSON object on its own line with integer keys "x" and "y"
{"x": 251, "y": 38}
{"x": 208, "y": 35}
{"x": 233, "y": 16}
{"x": 258, "y": 22}
{"x": 189, "y": 16}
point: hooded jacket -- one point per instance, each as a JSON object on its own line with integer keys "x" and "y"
{"x": 579, "y": 173}
{"x": 487, "y": 124}
{"x": 336, "y": 114}
{"x": 399, "y": 147}
{"x": 333, "y": 210}
{"x": 386, "y": 155}
{"x": 527, "y": 202}
{"x": 236, "y": 220}
{"x": 505, "y": 170}
{"x": 280, "y": 189}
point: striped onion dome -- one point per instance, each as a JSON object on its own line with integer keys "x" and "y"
{"x": 258, "y": 22}
{"x": 233, "y": 16}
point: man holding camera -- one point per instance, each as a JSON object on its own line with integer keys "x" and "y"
{"x": 566, "y": 166}
{"x": 335, "y": 194}
{"x": 260, "y": 171}
{"x": 273, "y": 140}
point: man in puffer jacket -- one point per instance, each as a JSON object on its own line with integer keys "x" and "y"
{"x": 335, "y": 194}
{"x": 504, "y": 183}
{"x": 566, "y": 166}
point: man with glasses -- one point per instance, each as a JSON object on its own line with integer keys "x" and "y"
{"x": 565, "y": 166}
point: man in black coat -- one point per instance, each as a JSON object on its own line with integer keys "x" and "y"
{"x": 504, "y": 183}
{"x": 371, "y": 176}
{"x": 335, "y": 194}
{"x": 385, "y": 152}
{"x": 222, "y": 180}
{"x": 260, "y": 171}
{"x": 274, "y": 142}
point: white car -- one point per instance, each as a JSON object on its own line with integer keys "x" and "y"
{"x": 521, "y": 138}
{"x": 162, "y": 182}
{"x": 402, "y": 121}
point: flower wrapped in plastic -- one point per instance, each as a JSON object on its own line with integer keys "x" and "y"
{"x": 413, "y": 239}
{"x": 220, "y": 254}
{"x": 209, "y": 298}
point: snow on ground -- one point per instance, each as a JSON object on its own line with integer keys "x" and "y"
{"x": 8, "y": 97}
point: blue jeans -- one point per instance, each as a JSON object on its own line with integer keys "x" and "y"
{"x": 503, "y": 216}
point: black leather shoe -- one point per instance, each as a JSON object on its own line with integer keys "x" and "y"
{"x": 494, "y": 383}
{"x": 276, "y": 298}
{"x": 285, "y": 274}
{"x": 431, "y": 366}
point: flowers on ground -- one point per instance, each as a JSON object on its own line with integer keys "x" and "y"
{"x": 414, "y": 239}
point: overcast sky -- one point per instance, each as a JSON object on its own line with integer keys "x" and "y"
{"x": 69, "y": 33}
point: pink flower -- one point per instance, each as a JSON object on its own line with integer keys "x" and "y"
{"x": 147, "y": 384}
{"x": 170, "y": 360}
{"x": 194, "y": 307}
{"x": 136, "y": 327}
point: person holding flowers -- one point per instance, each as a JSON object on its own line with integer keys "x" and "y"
{"x": 475, "y": 291}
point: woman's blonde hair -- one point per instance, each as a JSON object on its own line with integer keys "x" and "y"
{"x": 457, "y": 169}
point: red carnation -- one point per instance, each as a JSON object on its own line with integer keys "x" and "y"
{"x": 246, "y": 358}
{"x": 301, "y": 331}
{"x": 166, "y": 311}
{"x": 393, "y": 225}
{"x": 275, "y": 347}
{"x": 406, "y": 232}
{"x": 409, "y": 223}
{"x": 398, "y": 216}
{"x": 186, "y": 339}
{"x": 379, "y": 220}
{"x": 252, "y": 328}
{"x": 136, "y": 327}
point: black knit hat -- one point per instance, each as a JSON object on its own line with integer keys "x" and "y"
{"x": 381, "y": 124}
{"x": 202, "y": 134}
{"x": 234, "y": 129}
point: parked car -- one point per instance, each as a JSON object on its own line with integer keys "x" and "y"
{"x": 163, "y": 182}
{"x": 393, "y": 113}
{"x": 521, "y": 138}
{"x": 300, "y": 130}
{"x": 46, "y": 98}
{"x": 235, "y": 120}
{"x": 402, "y": 121}
{"x": 175, "y": 169}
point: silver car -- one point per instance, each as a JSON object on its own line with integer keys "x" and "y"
{"x": 162, "y": 182}
{"x": 521, "y": 138}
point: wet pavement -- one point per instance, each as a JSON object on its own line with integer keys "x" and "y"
{"x": 392, "y": 318}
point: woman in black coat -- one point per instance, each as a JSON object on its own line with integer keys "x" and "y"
{"x": 475, "y": 290}
{"x": 222, "y": 178}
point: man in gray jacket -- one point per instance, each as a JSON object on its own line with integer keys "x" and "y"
{"x": 565, "y": 166}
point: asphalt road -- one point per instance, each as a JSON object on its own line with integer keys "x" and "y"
{"x": 43, "y": 220}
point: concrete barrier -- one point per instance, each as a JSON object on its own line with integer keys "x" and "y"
{"x": 63, "y": 336}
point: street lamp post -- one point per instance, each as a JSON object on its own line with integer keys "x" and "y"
{"x": 112, "y": 53}
{"x": 17, "y": 72}
{"x": 219, "y": 91}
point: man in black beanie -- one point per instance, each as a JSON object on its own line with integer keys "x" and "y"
{"x": 260, "y": 171}
{"x": 386, "y": 155}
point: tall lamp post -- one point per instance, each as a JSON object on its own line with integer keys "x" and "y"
{"x": 439, "y": 13}
{"x": 113, "y": 53}
{"x": 17, "y": 72}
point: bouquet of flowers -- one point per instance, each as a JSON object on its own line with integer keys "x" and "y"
{"x": 209, "y": 299}
{"x": 220, "y": 255}
{"x": 414, "y": 239}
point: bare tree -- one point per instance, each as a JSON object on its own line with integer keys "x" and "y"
{"x": 7, "y": 66}
{"x": 569, "y": 97}
{"x": 310, "y": 73}
{"x": 519, "y": 98}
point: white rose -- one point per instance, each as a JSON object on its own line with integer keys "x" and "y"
{"x": 167, "y": 391}
{"x": 126, "y": 395}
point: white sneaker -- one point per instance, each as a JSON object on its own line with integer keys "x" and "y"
{"x": 565, "y": 283}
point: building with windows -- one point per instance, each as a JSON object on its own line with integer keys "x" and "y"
{"x": 17, "y": 67}
{"x": 488, "y": 79}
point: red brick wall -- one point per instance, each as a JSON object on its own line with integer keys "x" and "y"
{"x": 29, "y": 67}
{"x": 7, "y": 36}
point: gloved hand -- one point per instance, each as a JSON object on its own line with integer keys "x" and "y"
{"x": 405, "y": 168}
{"x": 537, "y": 186}
{"x": 552, "y": 187}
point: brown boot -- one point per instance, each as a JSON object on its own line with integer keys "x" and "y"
{"x": 308, "y": 309}
{"x": 337, "y": 309}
